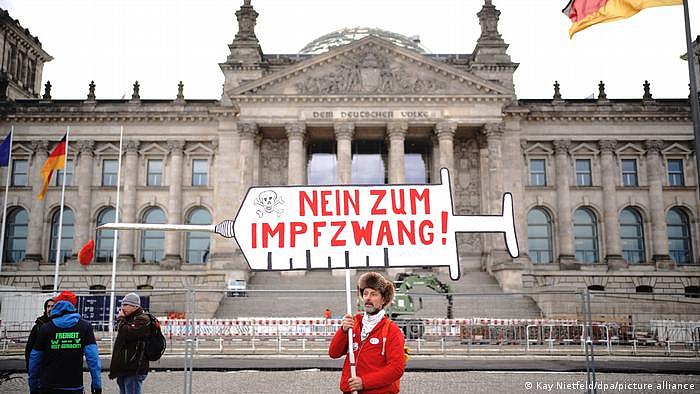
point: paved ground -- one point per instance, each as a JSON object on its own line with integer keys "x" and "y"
{"x": 315, "y": 381}
{"x": 629, "y": 365}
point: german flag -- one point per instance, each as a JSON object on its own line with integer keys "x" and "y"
{"x": 55, "y": 161}
{"x": 585, "y": 13}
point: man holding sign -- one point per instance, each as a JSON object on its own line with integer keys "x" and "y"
{"x": 378, "y": 344}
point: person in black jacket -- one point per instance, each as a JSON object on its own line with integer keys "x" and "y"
{"x": 129, "y": 363}
{"x": 56, "y": 361}
{"x": 48, "y": 304}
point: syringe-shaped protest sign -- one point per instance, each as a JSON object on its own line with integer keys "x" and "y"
{"x": 350, "y": 226}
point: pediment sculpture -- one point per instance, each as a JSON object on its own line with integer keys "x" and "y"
{"x": 369, "y": 72}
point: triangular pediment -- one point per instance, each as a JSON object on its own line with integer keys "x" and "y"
{"x": 630, "y": 149}
{"x": 107, "y": 150}
{"x": 538, "y": 149}
{"x": 584, "y": 149}
{"x": 676, "y": 149}
{"x": 153, "y": 149}
{"x": 199, "y": 149}
{"x": 370, "y": 66}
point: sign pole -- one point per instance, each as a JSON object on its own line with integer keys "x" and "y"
{"x": 348, "y": 303}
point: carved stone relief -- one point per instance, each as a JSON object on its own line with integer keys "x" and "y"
{"x": 467, "y": 195}
{"x": 369, "y": 71}
{"x": 273, "y": 160}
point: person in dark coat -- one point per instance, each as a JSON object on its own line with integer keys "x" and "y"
{"x": 129, "y": 363}
{"x": 48, "y": 304}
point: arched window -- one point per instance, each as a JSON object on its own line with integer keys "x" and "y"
{"x": 153, "y": 242}
{"x": 678, "y": 229}
{"x": 104, "y": 245}
{"x": 539, "y": 236}
{"x": 198, "y": 241}
{"x": 98, "y": 289}
{"x": 66, "y": 249}
{"x": 16, "y": 235}
{"x": 586, "y": 236}
{"x": 632, "y": 236}
{"x": 692, "y": 291}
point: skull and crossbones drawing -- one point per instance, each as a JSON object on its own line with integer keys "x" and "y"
{"x": 268, "y": 202}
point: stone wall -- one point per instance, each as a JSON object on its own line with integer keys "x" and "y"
{"x": 560, "y": 294}
{"x": 167, "y": 289}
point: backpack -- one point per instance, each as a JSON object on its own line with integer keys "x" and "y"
{"x": 155, "y": 342}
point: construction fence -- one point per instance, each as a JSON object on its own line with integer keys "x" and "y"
{"x": 609, "y": 334}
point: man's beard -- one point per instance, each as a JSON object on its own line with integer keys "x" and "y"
{"x": 373, "y": 310}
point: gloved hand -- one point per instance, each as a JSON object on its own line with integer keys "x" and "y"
{"x": 96, "y": 391}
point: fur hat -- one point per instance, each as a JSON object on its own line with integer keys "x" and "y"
{"x": 132, "y": 299}
{"x": 374, "y": 280}
{"x": 66, "y": 296}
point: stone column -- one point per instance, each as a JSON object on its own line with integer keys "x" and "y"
{"x": 172, "y": 238}
{"x": 225, "y": 254}
{"x": 247, "y": 131}
{"x": 445, "y": 132}
{"x": 257, "y": 146}
{"x": 296, "y": 158}
{"x": 494, "y": 143}
{"x": 611, "y": 219}
{"x": 343, "y": 135}
{"x": 494, "y": 139}
{"x": 84, "y": 169}
{"x": 127, "y": 239}
{"x": 435, "y": 160}
{"x": 36, "y": 215}
{"x": 659, "y": 236}
{"x": 396, "y": 134}
{"x": 564, "y": 223}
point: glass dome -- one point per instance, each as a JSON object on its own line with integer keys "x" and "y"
{"x": 348, "y": 35}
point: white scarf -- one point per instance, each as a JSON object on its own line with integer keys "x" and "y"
{"x": 369, "y": 322}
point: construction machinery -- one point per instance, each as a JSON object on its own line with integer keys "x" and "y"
{"x": 404, "y": 308}
{"x": 404, "y": 305}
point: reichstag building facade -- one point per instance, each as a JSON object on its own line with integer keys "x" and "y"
{"x": 605, "y": 190}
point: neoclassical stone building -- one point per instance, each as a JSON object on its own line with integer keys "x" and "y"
{"x": 605, "y": 190}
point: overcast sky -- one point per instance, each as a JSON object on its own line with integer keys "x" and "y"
{"x": 160, "y": 42}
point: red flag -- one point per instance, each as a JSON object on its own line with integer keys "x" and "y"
{"x": 86, "y": 253}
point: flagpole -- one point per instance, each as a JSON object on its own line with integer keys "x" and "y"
{"x": 116, "y": 236}
{"x": 60, "y": 215}
{"x": 4, "y": 205}
{"x": 694, "y": 106}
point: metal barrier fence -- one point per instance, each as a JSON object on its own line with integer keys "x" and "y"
{"x": 587, "y": 330}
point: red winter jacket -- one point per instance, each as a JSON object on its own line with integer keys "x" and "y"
{"x": 379, "y": 373}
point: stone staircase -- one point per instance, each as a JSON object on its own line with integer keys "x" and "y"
{"x": 275, "y": 295}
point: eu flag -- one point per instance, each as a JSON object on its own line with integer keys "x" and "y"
{"x": 5, "y": 150}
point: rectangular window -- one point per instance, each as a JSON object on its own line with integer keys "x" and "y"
{"x": 20, "y": 170}
{"x": 538, "y": 177}
{"x": 58, "y": 179}
{"x": 583, "y": 172}
{"x": 155, "y": 173}
{"x": 629, "y": 172}
{"x": 675, "y": 172}
{"x": 109, "y": 172}
{"x": 200, "y": 172}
